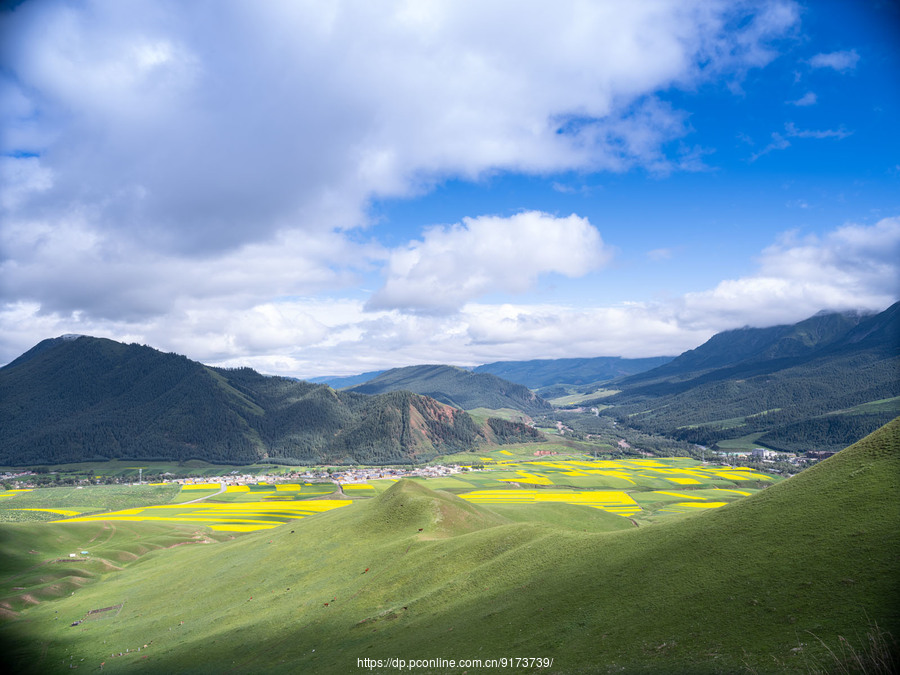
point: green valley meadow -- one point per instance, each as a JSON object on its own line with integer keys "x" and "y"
{"x": 796, "y": 575}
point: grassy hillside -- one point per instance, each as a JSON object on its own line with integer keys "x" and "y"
{"x": 415, "y": 573}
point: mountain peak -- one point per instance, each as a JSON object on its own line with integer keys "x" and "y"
{"x": 70, "y": 399}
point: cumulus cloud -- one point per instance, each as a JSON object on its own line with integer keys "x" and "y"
{"x": 199, "y": 178}
{"x": 455, "y": 264}
{"x": 70, "y": 266}
{"x": 137, "y": 121}
{"x": 842, "y": 61}
{"x": 852, "y": 267}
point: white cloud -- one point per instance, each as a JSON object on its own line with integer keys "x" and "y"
{"x": 70, "y": 266}
{"x": 659, "y": 254}
{"x": 852, "y": 267}
{"x": 161, "y": 188}
{"x": 842, "y": 61}
{"x": 455, "y": 264}
{"x": 315, "y": 108}
{"x": 781, "y": 142}
{"x": 22, "y": 177}
{"x": 155, "y": 168}
{"x": 808, "y": 99}
{"x": 791, "y": 130}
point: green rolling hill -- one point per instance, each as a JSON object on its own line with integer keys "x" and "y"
{"x": 768, "y": 584}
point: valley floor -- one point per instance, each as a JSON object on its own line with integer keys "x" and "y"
{"x": 730, "y": 570}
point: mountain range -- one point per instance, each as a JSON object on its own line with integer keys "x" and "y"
{"x": 456, "y": 387}
{"x": 540, "y": 373}
{"x": 79, "y": 398}
{"x": 821, "y": 384}
{"x": 536, "y": 373}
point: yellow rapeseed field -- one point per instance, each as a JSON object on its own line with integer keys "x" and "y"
{"x": 527, "y": 477}
{"x": 62, "y": 512}
{"x": 613, "y": 501}
{"x": 234, "y": 517}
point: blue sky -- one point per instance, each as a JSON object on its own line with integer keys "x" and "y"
{"x": 331, "y": 188}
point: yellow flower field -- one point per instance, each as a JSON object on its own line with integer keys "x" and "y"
{"x": 527, "y": 477}
{"x": 639, "y": 472}
{"x": 234, "y": 517}
{"x": 613, "y": 501}
{"x": 62, "y": 512}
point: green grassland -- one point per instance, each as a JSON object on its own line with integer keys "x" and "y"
{"x": 578, "y": 398}
{"x": 481, "y": 415}
{"x": 419, "y": 573}
{"x": 506, "y": 471}
{"x": 35, "y": 562}
{"x": 570, "y": 449}
{"x": 130, "y": 469}
{"x": 258, "y": 492}
{"x": 193, "y": 495}
{"x": 88, "y": 499}
{"x": 888, "y": 405}
{"x": 742, "y": 443}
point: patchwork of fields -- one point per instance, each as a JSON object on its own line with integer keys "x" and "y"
{"x": 237, "y": 517}
{"x": 639, "y": 489}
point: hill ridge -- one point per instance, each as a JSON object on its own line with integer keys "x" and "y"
{"x": 69, "y": 400}
{"x": 795, "y": 387}
{"x": 457, "y": 387}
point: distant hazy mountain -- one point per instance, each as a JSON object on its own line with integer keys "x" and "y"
{"x": 80, "y": 398}
{"x": 343, "y": 382}
{"x": 546, "y": 372}
{"x": 819, "y": 384}
{"x": 457, "y": 387}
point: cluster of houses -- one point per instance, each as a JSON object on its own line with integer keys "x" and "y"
{"x": 362, "y": 475}
{"x": 334, "y": 474}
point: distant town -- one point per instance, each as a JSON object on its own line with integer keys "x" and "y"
{"x": 43, "y": 477}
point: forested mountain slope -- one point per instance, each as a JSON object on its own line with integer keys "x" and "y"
{"x": 457, "y": 387}
{"x": 80, "y": 398}
{"x": 819, "y": 384}
{"x": 747, "y": 346}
